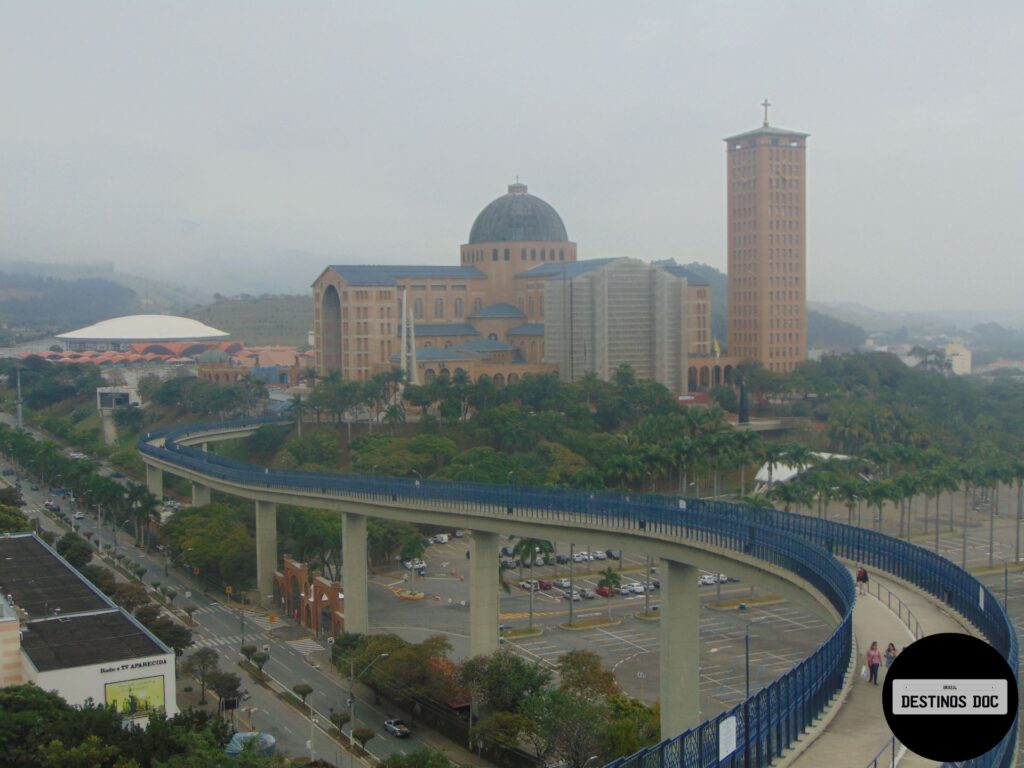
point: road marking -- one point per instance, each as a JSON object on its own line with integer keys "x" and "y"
{"x": 304, "y": 647}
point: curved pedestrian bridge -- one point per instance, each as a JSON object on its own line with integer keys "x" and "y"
{"x": 792, "y": 555}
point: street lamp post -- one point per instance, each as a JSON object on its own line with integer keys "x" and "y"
{"x": 572, "y": 584}
{"x": 352, "y": 677}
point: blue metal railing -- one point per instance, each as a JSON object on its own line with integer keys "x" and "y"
{"x": 770, "y": 720}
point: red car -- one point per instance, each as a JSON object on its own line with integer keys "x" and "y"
{"x": 543, "y": 584}
{"x": 605, "y": 591}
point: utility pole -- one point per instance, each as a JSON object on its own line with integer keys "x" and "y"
{"x": 572, "y": 584}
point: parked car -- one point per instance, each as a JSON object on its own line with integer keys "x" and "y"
{"x": 638, "y": 589}
{"x": 600, "y": 555}
{"x": 588, "y": 594}
{"x": 397, "y": 728}
{"x": 507, "y": 562}
{"x": 655, "y": 584}
{"x": 624, "y": 589}
{"x": 506, "y": 551}
{"x": 34, "y": 487}
{"x": 561, "y": 583}
{"x": 706, "y": 580}
{"x": 529, "y": 585}
{"x": 414, "y": 565}
{"x": 561, "y": 559}
{"x": 723, "y": 579}
{"x": 605, "y": 591}
{"x": 79, "y": 515}
{"x": 458, "y": 534}
{"x": 574, "y": 595}
{"x": 539, "y": 561}
{"x": 544, "y": 584}
{"x": 614, "y": 554}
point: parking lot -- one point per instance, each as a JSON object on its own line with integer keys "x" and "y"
{"x": 782, "y": 636}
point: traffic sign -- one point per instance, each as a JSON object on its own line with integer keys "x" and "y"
{"x": 188, "y": 593}
{"x": 229, "y": 589}
{"x": 271, "y": 617}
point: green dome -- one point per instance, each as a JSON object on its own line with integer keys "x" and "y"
{"x": 518, "y": 217}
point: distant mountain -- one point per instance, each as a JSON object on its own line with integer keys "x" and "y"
{"x": 153, "y": 296}
{"x": 52, "y": 305}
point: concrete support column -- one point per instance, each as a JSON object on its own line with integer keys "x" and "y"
{"x": 205, "y": 447}
{"x": 200, "y": 494}
{"x": 353, "y": 573}
{"x": 680, "y": 643}
{"x": 483, "y": 593}
{"x": 266, "y": 548}
{"x": 155, "y": 481}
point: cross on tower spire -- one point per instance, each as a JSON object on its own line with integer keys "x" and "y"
{"x": 765, "y": 104}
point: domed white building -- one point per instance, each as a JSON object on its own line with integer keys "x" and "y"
{"x": 120, "y": 332}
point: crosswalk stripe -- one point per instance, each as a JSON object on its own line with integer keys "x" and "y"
{"x": 305, "y": 646}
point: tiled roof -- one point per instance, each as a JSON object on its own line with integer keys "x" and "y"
{"x": 370, "y": 274}
{"x": 498, "y": 310}
{"x": 443, "y": 329}
{"x": 530, "y": 329}
{"x": 487, "y": 345}
{"x": 569, "y": 269}
{"x": 437, "y": 354}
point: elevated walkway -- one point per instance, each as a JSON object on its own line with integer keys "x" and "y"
{"x": 858, "y": 732}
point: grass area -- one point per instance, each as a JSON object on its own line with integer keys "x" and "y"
{"x": 590, "y": 623}
{"x": 524, "y": 632}
{"x": 731, "y": 605}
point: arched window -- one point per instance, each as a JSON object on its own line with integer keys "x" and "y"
{"x": 417, "y": 309}
{"x": 438, "y": 309}
{"x": 458, "y": 308}
{"x": 508, "y": 254}
{"x": 561, "y": 254}
{"x": 478, "y": 304}
{"x": 494, "y": 255}
{"x": 492, "y": 336}
{"x": 543, "y": 255}
{"x": 533, "y": 254}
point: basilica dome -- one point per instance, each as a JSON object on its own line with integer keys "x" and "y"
{"x": 518, "y": 217}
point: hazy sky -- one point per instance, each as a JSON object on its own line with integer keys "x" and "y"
{"x": 259, "y": 141}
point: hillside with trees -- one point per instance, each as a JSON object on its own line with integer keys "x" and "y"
{"x": 51, "y": 304}
{"x": 259, "y": 320}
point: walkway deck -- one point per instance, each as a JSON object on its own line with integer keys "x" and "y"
{"x": 859, "y": 731}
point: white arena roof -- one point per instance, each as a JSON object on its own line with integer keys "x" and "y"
{"x": 145, "y": 328}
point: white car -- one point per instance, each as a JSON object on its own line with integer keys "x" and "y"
{"x": 561, "y": 583}
{"x": 579, "y": 557}
{"x": 574, "y": 596}
{"x": 529, "y": 586}
{"x": 414, "y": 565}
{"x": 600, "y": 555}
{"x": 706, "y": 580}
{"x": 635, "y": 587}
{"x": 623, "y": 589}
{"x": 723, "y": 579}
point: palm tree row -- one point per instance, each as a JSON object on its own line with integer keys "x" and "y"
{"x": 114, "y": 502}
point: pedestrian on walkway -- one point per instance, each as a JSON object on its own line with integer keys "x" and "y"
{"x": 890, "y": 654}
{"x": 862, "y": 579}
{"x": 873, "y": 661}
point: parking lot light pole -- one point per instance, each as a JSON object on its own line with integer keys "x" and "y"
{"x": 746, "y": 652}
{"x": 572, "y": 584}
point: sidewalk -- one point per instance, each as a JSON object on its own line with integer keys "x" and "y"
{"x": 859, "y": 731}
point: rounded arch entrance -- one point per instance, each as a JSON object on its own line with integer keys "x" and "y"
{"x": 330, "y": 329}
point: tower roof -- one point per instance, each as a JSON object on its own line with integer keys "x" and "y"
{"x": 768, "y": 130}
{"x": 518, "y": 217}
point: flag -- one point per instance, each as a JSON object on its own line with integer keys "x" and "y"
{"x": 718, "y": 349}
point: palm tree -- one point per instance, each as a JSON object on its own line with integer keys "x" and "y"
{"x": 611, "y": 580}
{"x": 876, "y": 494}
{"x": 527, "y": 550}
{"x": 750, "y": 449}
{"x": 143, "y": 506}
{"x": 298, "y": 408}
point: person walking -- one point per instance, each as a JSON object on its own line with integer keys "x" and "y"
{"x": 890, "y": 655}
{"x": 873, "y": 661}
{"x": 862, "y": 579}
